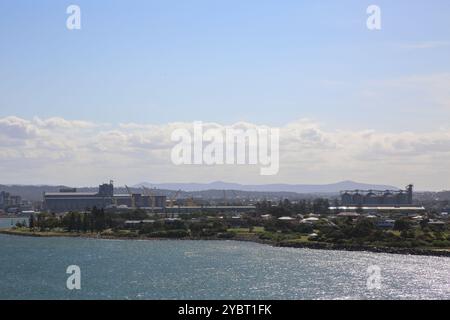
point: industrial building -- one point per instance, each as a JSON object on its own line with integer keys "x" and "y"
{"x": 68, "y": 199}
{"x": 385, "y": 201}
{"x": 377, "y": 198}
{"x": 7, "y": 200}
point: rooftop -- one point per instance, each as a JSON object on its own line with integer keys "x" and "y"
{"x": 393, "y": 208}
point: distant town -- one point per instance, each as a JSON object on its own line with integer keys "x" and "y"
{"x": 391, "y": 220}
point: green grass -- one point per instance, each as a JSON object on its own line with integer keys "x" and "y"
{"x": 246, "y": 230}
{"x": 238, "y": 230}
{"x": 300, "y": 239}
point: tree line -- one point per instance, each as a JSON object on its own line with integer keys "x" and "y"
{"x": 95, "y": 220}
{"x": 287, "y": 208}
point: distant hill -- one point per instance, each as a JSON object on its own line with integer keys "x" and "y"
{"x": 31, "y": 193}
{"x": 297, "y": 188}
{"x": 212, "y": 190}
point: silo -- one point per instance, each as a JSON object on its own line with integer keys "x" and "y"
{"x": 358, "y": 198}
{"x": 346, "y": 199}
{"x": 371, "y": 198}
{"x": 388, "y": 198}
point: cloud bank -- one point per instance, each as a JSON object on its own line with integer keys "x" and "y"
{"x": 61, "y": 151}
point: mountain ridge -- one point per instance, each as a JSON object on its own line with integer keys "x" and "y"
{"x": 297, "y": 188}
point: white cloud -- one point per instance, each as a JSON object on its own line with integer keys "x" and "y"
{"x": 17, "y": 128}
{"x": 71, "y": 152}
{"x": 60, "y": 123}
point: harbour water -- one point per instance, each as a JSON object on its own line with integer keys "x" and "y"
{"x": 35, "y": 268}
{"x": 10, "y": 222}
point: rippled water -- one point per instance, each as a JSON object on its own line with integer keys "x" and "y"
{"x": 10, "y": 222}
{"x": 35, "y": 268}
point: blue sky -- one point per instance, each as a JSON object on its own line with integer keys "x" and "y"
{"x": 261, "y": 61}
{"x": 373, "y": 99}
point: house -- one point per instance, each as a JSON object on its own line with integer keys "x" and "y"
{"x": 137, "y": 223}
{"x": 310, "y": 220}
{"x": 171, "y": 220}
{"x": 286, "y": 219}
{"x": 386, "y": 224}
{"x": 437, "y": 224}
{"x": 348, "y": 214}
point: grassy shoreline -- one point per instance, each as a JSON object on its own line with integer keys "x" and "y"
{"x": 439, "y": 252}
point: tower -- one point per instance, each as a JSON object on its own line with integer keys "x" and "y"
{"x": 409, "y": 192}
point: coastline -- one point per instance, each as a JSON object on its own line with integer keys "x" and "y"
{"x": 282, "y": 244}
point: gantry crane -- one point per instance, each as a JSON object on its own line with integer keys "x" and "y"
{"x": 190, "y": 201}
{"x": 133, "y": 202}
{"x": 149, "y": 193}
{"x": 172, "y": 199}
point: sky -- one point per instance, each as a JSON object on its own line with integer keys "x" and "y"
{"x": 79, "y": 107}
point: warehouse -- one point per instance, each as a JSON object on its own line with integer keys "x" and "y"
{"x": 70, "y": 200}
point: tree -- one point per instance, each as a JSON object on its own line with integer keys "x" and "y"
{"x": 336, "y": 206}
{"x": 424, "y": 224}
{"x": 302, "y": 207}
{"x": 78, "y": 222}
{"x": 85, "y": 226}
{"x": 71, "y": 222}
{"x": 321, "y": 206}
{"x": 31, "y": 222}
{"x": 363, "y": 228}
{"x": 402, "y": 224}
{"x": 287, "y": 204}
{"x": 40, "y": 222}
{"x": 359, "y": 209}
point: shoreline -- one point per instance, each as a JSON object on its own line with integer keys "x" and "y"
{"x": 282, "y": 244}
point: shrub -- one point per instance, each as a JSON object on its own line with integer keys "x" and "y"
{"x": 441, "y": 243}
{"x": 226, "y": 235}
{"x": 402, "y": 224}
{"x": 176, "y": 234}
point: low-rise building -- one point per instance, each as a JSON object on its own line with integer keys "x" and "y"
{"x": 386, "y": 224}
{"x": 70, "y": 200}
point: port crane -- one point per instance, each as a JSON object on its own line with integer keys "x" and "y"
{"x": 172, "y": 199}
{"x": 190, "y": 201}
{"x": 133, "y": 202}
{"x": 150, "y": 193}
{"x": 113, "y": 199}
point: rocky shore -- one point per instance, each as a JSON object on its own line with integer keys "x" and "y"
{"x": 391, "y": 250}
